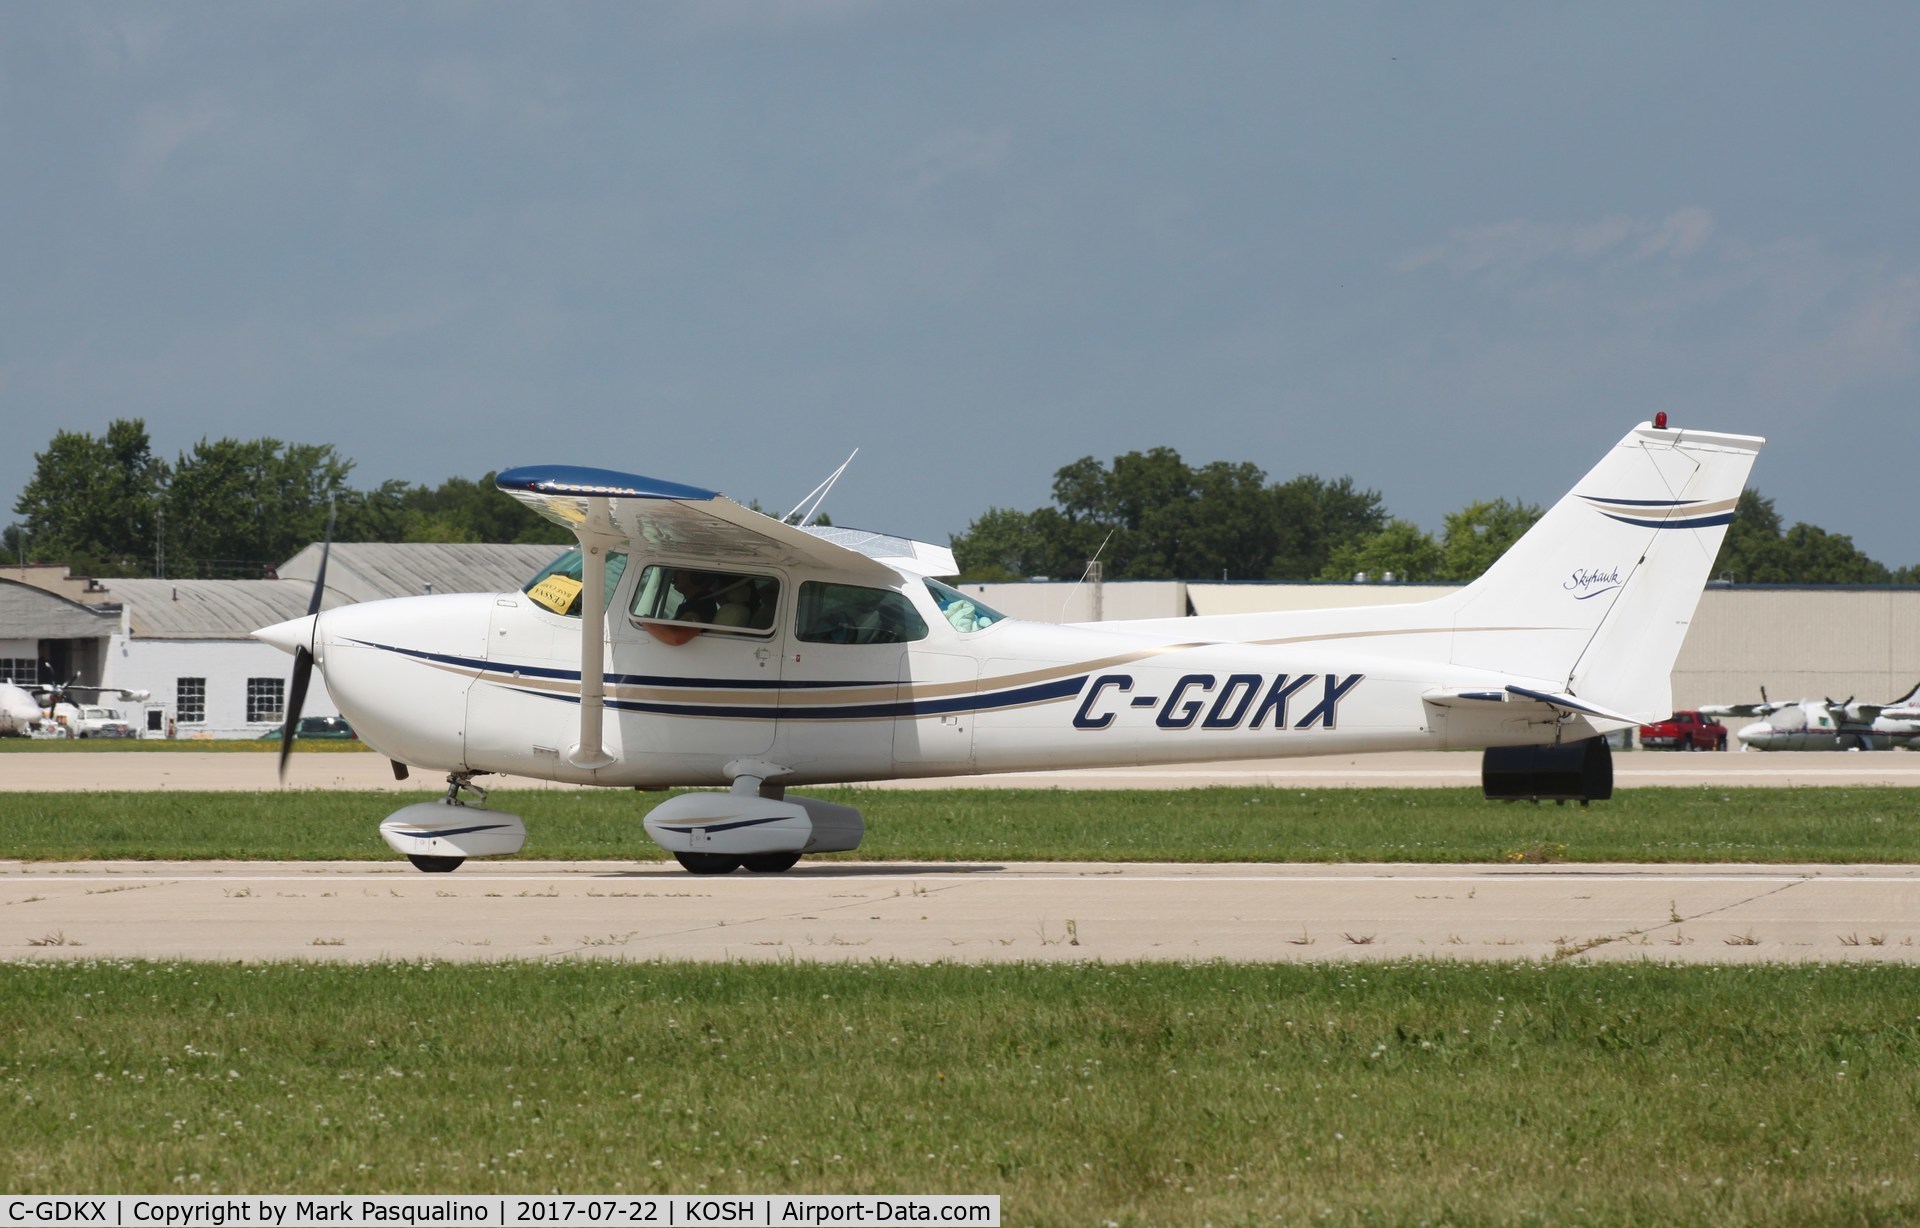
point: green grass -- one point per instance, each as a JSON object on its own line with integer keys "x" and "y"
{"x": 1141, "y": 1094}
{"x": 1834, "y": 825}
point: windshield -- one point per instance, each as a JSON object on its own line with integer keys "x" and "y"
{"x": 558, "y": 586}
{"x": 964, "y": 612}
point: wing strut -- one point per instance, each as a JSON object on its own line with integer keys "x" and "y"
{"x": 596, "y": 535}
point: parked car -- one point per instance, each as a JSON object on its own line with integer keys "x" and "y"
{"x": 1684, "y": 731}
{"x": 331, "y": 727}
{"x": 90, "y": 721}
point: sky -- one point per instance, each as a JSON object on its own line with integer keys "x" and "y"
{"x": 1453, "y": 251}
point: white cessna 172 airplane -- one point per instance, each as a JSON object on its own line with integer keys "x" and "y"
{"x": 1822, "y": 724}
{"x": 688, "y": 641}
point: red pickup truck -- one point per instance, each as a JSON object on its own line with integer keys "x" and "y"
{"x": 1684, "y": 731}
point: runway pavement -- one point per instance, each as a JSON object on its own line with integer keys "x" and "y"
{"x": 347, "y": 911}
{"x": 240, "y": 771}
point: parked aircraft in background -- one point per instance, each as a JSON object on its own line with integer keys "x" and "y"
{"x": 25, "y": 710}
{"x": 688, "y": 640}
{"x": 20, "y": 712}
{"x": 1823, "y": 724}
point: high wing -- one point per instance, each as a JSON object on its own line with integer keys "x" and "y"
{"x": 707, "y": 523}
{"x": 1762, "y": 709}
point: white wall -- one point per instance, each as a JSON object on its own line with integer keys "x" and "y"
{"x": 1062, "y": 601}
{"x": 157, "y": 665}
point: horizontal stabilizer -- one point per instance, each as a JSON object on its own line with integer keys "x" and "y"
{"x": 1527, "y": 698}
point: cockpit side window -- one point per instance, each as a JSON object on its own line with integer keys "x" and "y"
{"x": 965, "y": 613}
{"x": 725, "y": 601}
{"x": 558, "y": 586}
{"x": 851, "y": 614}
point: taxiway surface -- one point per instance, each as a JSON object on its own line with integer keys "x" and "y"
{"x": 963, "y": 912}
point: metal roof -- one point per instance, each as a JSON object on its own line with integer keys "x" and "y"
{"x": 213, "y": 609}
{"x": 29, "y": 612}
{"x": 371, "y": 571}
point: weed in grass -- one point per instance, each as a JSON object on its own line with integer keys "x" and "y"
{"x": 31, "y": 899}
{"x": 1742, "y": 940}
{"x": 1673, "y": 912}
{"x": 1850, "y": 940}
{"x": 243, "y": 893}
{"x": 1304, "y": 940}
{"x": 328, "y": 942}
{"x": 611, "y": 940}
{"x": 56, "y": 939}
{"x": 1359, "y": 941}
{"x": 1566, "y": 950}
{"x": 1537, "y": 853}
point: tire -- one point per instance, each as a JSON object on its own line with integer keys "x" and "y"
{"x": 707, "y": 863}
{"x": 1722, "y": 743}
{"x": 770, "y": 863}
{"x": 434, "y": 865}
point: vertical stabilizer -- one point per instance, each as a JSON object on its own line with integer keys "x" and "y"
{"x": 1597, "y": 596}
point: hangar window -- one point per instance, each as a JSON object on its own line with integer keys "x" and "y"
{"x": 850, "y": 614}
{"x": 21, "y": 671}
{"x": 190, "y": 700}
{"x": 557, "y": 588}
{"x": 266, "y": 699}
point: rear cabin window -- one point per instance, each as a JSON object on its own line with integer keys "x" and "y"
{"x": 558, "y": 587}
{"x": 850, "y": 614}
{"x": 726, "y": 601}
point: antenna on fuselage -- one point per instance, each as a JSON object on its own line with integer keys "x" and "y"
{"x": 1092, "y": 564}
{"x": 817, "y": 496}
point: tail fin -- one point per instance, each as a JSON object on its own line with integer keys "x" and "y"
{"x": 1597, "y": 595}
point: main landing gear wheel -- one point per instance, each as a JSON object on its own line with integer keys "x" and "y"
{"x": 435, "y": 865}
{"x": 770, "y": 863}
{"x": 707, "y": 863}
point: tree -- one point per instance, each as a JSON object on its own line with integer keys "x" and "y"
{"x": 92, "y": 501}
{"x": 1400, "y": 548}
{"x": 1756, "y": 551}
{"x": 1478, "y": 534}
{"x": 236, "y": 508}
{"x": 1151, "y": 516}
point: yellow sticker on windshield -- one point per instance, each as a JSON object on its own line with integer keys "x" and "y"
{"x": 556, "y": 592}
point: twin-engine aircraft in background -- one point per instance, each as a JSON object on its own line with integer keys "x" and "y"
{"x": 38, "y": 708}
{"x": 1823, "y": 724}
{"x": 689, "y": 641}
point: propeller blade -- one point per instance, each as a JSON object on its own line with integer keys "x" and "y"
{"x": 303, "y": 657}
{"x": 296, "y": 699}
{"x": 320, "y": 576}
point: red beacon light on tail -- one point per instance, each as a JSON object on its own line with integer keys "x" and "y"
{"x": 1660, "y": 421}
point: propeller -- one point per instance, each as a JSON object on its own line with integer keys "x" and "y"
{"x": 303, "y": 656}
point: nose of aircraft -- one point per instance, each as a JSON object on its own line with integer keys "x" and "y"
{"x": 289, "y": 635}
